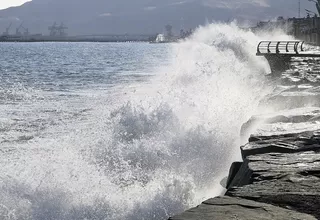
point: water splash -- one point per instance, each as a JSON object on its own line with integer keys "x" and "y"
{"x": 148, "y": 151}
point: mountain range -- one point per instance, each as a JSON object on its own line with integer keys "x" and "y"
{"x": 141, "y": 16}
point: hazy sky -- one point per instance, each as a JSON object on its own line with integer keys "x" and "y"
{"x": 8, "y": 3}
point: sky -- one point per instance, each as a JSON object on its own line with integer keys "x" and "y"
{"x": 9, "y": 3}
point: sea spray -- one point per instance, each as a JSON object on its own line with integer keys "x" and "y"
{"x": 146, "y": 151}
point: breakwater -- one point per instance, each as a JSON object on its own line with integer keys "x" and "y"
{"x": 280, "y": 172}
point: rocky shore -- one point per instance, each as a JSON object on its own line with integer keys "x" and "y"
{"x": 279, "y": 177}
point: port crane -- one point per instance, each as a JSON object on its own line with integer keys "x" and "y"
{"x": 56, "y": 30}
{"x": 18, "y": 33}
{"x": 61, "y": 30}
{"x": 53, "y": 29}
{"x": 25, "y": 33}
{"x": 6, "y": 33}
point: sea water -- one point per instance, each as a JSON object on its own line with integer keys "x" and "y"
{"x": 124, "y": 130}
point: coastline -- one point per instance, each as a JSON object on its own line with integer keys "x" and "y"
{"x": 98, "y": 38}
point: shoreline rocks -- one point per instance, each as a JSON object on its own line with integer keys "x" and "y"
{"x": 241, "y": 209}
{"x": 279, "y": 177}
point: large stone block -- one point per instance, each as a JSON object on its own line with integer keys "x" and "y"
{"x": 225, "y": 208}
{"x": 282, "y": 143}
{"x": 287, "y": 180}
{"x": 282, "y": 122}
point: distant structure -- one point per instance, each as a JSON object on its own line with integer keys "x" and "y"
{"x": 185, "y": 34}
{"x": 25, "y": 33}
{"x": 160, "y": 38}
{"x": 169, "y": 37}
{"x": 53, "y": 29}
{"x": 169, "y": 32}
{"x": 18, "y": 33}
{"x": 306, "y": 29}
{"x": 57, "y": 31}
{"x": 7, "y": 32}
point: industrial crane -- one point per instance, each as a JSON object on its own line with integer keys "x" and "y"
{"x": 53, "y": 29}
{"x": 57, "y": 30}
{"x": 61, "y": 30}
{"x": 18, "y": 33}
{"x": 6, "y": 33}
{"x": 25, "y": 33}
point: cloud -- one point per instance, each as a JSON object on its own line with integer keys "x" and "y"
{"x": 105, "y": 15}
{"x": 180, "y": 3}
{"x": 232, "y": 4}
{"x": 11, "y": 18}
{"x": 150, "y": 8}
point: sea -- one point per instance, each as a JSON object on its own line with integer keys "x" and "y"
{"x": 124, "y": 131}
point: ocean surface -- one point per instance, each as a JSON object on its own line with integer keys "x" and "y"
{"x": 123, "y": 130}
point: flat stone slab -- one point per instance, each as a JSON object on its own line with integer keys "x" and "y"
{"x": 296, "y": 115}
{"x": 225, "y": 208}
{"x": 293, "y": 98}
{"x": 287, "y": 180}
{"x": 283, "y": 122}
{"x": 278, "y": 129}
{"x": 284, "y": 132}
{"x": 282, "y": 143}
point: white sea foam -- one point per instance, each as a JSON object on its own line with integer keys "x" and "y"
{"x": 147, "y": 151}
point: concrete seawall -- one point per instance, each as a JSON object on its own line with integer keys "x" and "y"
{"x": 279, "y": 177}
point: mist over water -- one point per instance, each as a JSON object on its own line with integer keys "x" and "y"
{"x": 147, "y": 147}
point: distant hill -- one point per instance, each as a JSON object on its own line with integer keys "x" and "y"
{"x": 139, "y": 16}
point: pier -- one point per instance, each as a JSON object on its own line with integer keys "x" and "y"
{"x": 279, "y": 177}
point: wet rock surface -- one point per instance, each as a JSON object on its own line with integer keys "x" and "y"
{"x": 286, "y": 180}
{"x": 284, "y": 143}
{"x": 279, "y": 177}
{"x": 224, "y": 208}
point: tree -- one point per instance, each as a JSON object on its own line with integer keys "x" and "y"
{"x": 318, "y": 6}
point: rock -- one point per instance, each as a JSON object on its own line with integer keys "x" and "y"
{"x": 308, "y": 97}
{"x": 287, "y": 121}
{"x": 284, "y": 129}
{"x": 280, "y": 175}
{"x": 284, "y": 143}
{"x": 234, "y": 169}
{"x": 225, "y": 208}
{"x": 284, "y": 132}
{"x": 287, "y": 180}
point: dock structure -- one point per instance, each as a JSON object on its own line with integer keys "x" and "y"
{"x": 279, "y": 177}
